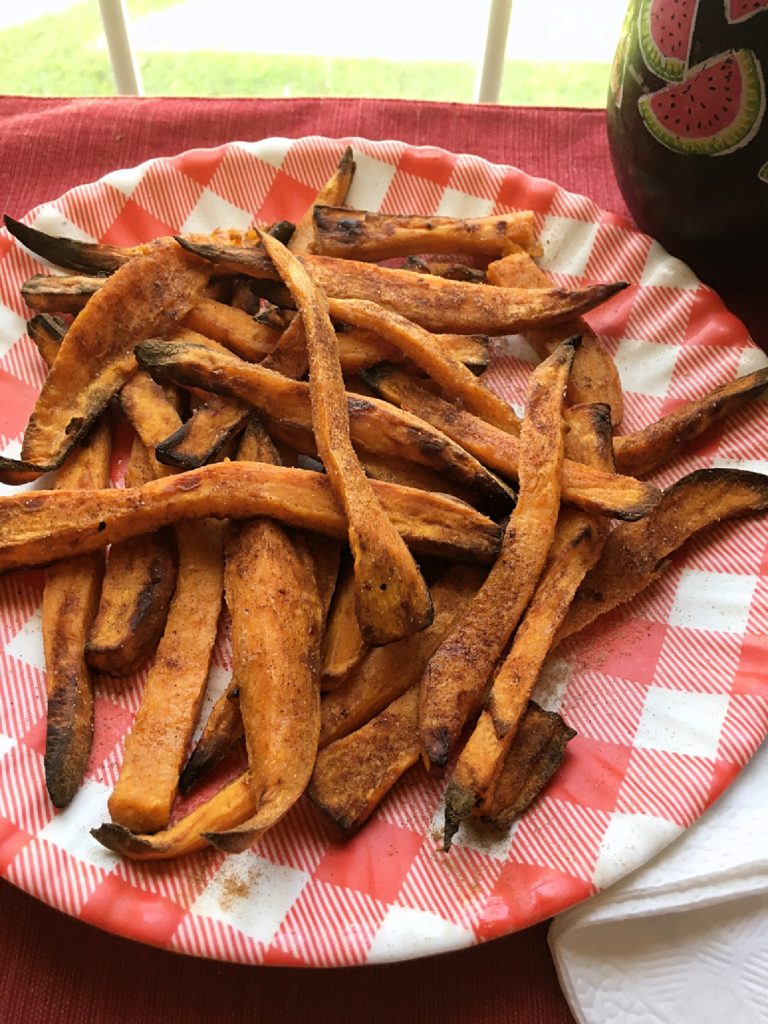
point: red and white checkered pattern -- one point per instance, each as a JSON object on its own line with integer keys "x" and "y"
{"x": 668, "y": 695}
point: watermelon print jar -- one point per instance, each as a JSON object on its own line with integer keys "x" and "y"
{"x": 688, "y": 131}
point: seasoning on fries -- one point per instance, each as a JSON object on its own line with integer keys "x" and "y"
{"x": 471, "y": 542}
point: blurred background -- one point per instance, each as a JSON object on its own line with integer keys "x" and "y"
{"x": 556, "y": 53}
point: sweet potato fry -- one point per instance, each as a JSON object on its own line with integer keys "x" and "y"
{"x": 441, "y": 268}
{"x": 47, "y": 294}
{"x": 333, "y": 193}
{"x": 375, "y": 426}
{"x": 47, "y": 332}
{"x": 200, "y": 438}
{"x": 460, "y": 668}
{"x": 70, "y": 598}
{"x": 577, "y": 543}
{"x": 391, "y": 597}
{"x": 226, "y": 809}
{"x": 222, "y": 730}
{"x": 634, "y": 554}
{"x": 432, "y": 302}
{"x": 272, "y": 594}
{"x": 361, "y": 235}
{"x": 409, "y": 474}
{"x": 423, "y": 348}
{"x": 245, "y": 336}
{"x": 651, "y": 447}
{"x": 40, "y": 527}
{"x": 170, "y": 704}
{"x": 136, "y": 591}
{"x": 343, "y": 645}
{"x": 353, "y": 775}
{"x": 589, "y": 489}
{"x": 143, "y": 297}
{"x": 594, "y": 377}
{"x": 224, "y": 727}
{"x": 83, "y": 257}
{"x": 536, "y": 753}
{"x": 387, "y": 672}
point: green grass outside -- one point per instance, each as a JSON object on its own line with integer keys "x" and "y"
{"x": 58, "y": 55}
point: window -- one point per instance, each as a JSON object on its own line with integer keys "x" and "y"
{"x": 557, "y": 53}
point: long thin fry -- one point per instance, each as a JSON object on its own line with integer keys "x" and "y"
{"x": 136, "y": 591}
{"x": 226, "y": 809}
{"x": 343, "y": 644}
{"x": 273, "y": 598}
{"x": 144, "y": 297}
{"x": 392, "y": 598}
{"x": 589, "y": 489}
{"x": 361, "y": 235}
{"x": 333, "y": 193}
{"x": 634, "y": 554}
{"x": 651, "y": 447}
{"x": 375, "y": 426}
{"x": 155, "y": 748}
{"x": 459, "y": 670}
{"x": 40, "y": 527}
{"x": 423, "y": 348}
{"x": 70, "y": 599}
{"x": 594, "y": 377}
{"x": 577, "y": 543}
{"x": 432, "y": 302}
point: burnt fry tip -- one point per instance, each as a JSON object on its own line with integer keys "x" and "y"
{"x": 459, "y": 804}
{"x": 119, "y": 839}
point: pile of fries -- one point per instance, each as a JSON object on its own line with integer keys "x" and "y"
{"x": 313, "y": 445}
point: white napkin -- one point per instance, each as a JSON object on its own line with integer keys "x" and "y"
{"x": 685, "y": 938}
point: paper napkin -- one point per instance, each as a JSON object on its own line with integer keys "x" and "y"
{"x": 685, "y": 938}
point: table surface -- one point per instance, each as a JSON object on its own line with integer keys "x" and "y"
{"x": 55, "y": 968}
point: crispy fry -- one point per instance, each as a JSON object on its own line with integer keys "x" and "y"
{"x": 47, "y": 332}
{"x": 594, "y": 377}
{"x": 647, "y": 449}
{"x": 173, "y": 692}
{"x": 201, "y": 438}
{"x": 400, "y": 471}
{"x": 361, "y": 235}
{"x": 343, "y": 645}
{"x": 223, "y": 729}
{"x": 458, "y": 671}
{"x": 273, "y": 598}
{"x": 424, "y": 349}
{"x": 40, "y": 527}
{"x": 434, "y": 303}
{"x": 387, "y": 672}
{"x": 536, "y": 753}
{"x": 70, "y": 598}
{"x": 391, "y": 597}
{"x": 226, "y": 809}
{"x": 143, "y": 297}
{"x": 375, "y": 426}
{"x": 634, "y": 554}
{"x": 576, "y": 547}
{"x": 240, "y": 332}
{"x": 47, "y": 294}
{"x": 353, "y": 775}
{"x": 83, "y": 257}
{"x": 587, "y": 488}
{"x": 333, "y": 193}
{"x": 439, "y": 268}
{"x": 136, "y": 591}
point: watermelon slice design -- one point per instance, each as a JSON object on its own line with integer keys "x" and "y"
{"x": 740, "y": 10}
{"x": 665, "y": 29}
{"x": 717, "y": 108}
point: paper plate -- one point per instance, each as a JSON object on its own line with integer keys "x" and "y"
{"x": 668, "y": 695}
